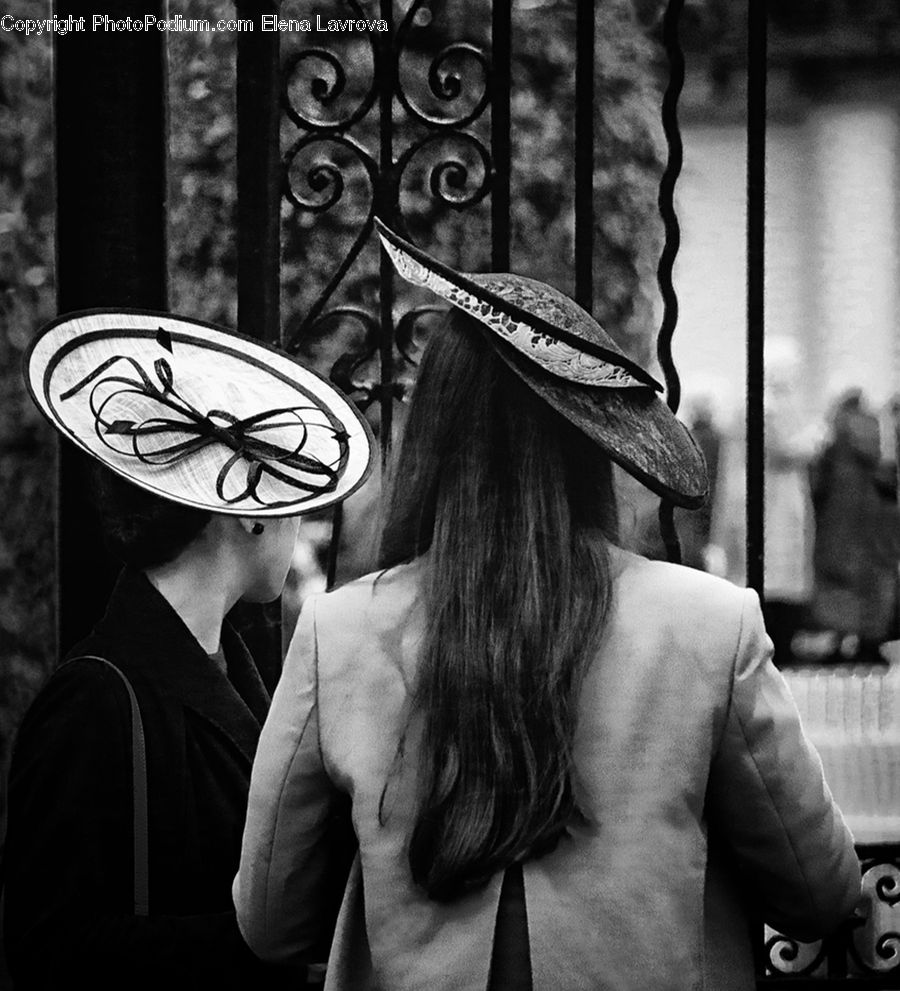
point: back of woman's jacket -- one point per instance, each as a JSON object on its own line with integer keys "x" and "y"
{"x": 702, "y": 795}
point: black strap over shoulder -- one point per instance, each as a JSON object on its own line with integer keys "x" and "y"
{"x": 139, "y": 779}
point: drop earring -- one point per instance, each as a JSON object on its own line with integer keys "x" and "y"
{"x": 257, "y": 529}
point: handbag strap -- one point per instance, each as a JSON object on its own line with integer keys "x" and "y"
{"x": 139, "y": 779}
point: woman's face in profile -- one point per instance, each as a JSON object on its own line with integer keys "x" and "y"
{"x": 268, "y": 559}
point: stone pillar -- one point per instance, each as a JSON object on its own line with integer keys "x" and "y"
{"x": 856, "y": 240}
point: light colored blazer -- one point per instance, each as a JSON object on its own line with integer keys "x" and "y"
{"x": 689, "y": 758}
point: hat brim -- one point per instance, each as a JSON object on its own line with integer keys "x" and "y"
{"x": 565, "y": 338}
{"x": 68, "y": 348}
{"x": 634, "y": 427}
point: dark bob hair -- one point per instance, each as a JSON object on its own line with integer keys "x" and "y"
{"x": 139, "y": 528}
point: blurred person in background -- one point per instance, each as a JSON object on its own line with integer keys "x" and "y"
{"x": 857, "y": 535}
{"x": 791, "y": 442}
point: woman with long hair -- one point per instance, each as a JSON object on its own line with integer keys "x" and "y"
{"x": 570, "y": 767}
{"x": 129, "y": 779}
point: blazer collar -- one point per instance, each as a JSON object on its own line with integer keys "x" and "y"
{"x": 152, "y": 642}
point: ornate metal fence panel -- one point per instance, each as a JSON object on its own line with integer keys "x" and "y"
{"x": 363, "y": 120}
{"x": 864, "y": 953}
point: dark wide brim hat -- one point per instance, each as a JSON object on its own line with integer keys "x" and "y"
{"x": 198, "y": 414}
{"x": 562, "y": 353}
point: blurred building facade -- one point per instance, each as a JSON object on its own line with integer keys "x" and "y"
{"x": 833, "y": 168}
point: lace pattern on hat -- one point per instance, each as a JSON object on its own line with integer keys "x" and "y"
{"x": 551, "y": 354}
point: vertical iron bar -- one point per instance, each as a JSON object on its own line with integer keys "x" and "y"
{"x": 756, "y": 218}
{"x": 387, "y": 206}
{"x": 258, "y": 176}
{"x": 584, "y": 154}
{"x": 111, "y": 152}
{"x": 675, "y": 57}
{"x": 501, "y": 79}
{"x": 259, "y": 250}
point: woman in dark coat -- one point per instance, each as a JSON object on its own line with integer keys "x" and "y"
{"x": 73, "y": 866}
{"x": 856, "y": 539}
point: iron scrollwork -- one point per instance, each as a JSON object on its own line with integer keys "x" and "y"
{"x": 325, "y": 88}
{"x": 353, "y": 371}
{"x": 349, "y": 161}
{"x": 789, "y": 956}
{"x": 326, "y": 178}
{"x": 446, "y": 85}
{"x": 874, "y": 948}
{"x": 887, "y": 889}
{"x": 323, "y": 174}
{"x": 351, "y": 349}
{"x": 449, "y": 177}
{"x": 865, "y": 947}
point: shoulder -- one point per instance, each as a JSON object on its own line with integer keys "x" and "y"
{"x": 84, "y": 682}
{"x": 675, "y": 586}
{"x": 695, "y": 613}
{"x": 81, "y": 714}
{"x": 87, "y": 680}
{"x": 378, "y": 600}
{"x": 366, "y": 631}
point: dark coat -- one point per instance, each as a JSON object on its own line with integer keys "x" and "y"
{"x": 68, "y": 861}
{"x": 857, "y": 535}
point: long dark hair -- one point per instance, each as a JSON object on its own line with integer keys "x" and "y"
{"x": 510, "y": 499}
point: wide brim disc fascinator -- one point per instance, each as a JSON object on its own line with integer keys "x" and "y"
{"x": 198, "y": 414}
{"x": 570, "y": 361}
